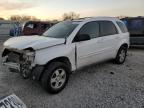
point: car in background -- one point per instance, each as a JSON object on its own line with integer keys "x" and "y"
{"x": 35, "y": 27}
{"x": 16, "y": 29}
{"x": 9, "y": 29}
{"x": 135, "y": 26}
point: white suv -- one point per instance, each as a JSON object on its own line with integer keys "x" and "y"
{"x": 66, "y": 47}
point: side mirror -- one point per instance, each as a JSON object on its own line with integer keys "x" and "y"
{"x": 82, "y": 37}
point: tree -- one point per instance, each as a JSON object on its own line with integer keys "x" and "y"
{"x": 2, "y": 18}
{"x": 23, "y": 18}
{"x": 120, "y": 17}
{"x": 71, "y": 16}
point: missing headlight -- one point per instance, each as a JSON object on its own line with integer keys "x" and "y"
{"x": 29, "y": 56}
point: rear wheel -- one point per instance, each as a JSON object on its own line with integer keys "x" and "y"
{"x": 55, "y": 77}
{"x": 121, "y": 55}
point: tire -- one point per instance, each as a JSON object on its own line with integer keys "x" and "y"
{"x": 55, "y": 77}
{"x": 121, "y": 55}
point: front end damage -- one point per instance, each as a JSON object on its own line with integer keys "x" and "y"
{"x": 19, "y": 61}
{"x": 20, "y": 54}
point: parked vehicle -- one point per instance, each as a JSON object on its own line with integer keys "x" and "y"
{"x": 16, "y": 30}
{"x": 36, "y": 27}
{"x": 66, "y": 47}
{"x": 135, "y": 26}
{"x": 6, "y": 29}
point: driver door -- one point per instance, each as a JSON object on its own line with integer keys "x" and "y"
{"x": 88, "y": 51}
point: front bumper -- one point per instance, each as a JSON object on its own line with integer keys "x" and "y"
{"x": 35, "y": 73}
{"x": 22, "y": 64}
{"x": 11, "y": 65}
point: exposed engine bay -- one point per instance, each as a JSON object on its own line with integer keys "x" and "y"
{"x": 19, "y": 61}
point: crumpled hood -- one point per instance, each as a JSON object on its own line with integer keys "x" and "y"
{"x": 36, "y": 42}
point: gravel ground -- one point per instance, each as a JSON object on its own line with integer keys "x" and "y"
{"x": 104, "y": 85}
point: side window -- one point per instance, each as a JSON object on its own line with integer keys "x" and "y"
{"x": 107, "y": 28}
{"x": 30, "y": 26}
{"x": 36, "y": 25}
{"x": 91, "y": 28}
{"x": 122, "y": 27}
{"x": 45, "y": 26}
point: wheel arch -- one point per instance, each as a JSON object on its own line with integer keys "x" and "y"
{"x": 124, "y": 45}
{"x": 62, "y": 59}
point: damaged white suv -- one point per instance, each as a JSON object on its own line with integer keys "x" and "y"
{"x": 65, "y": 47}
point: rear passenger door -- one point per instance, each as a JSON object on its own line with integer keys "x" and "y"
{"x": 110, "y": 38}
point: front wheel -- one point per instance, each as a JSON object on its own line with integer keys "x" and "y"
{"x": 55, "y": 77}
{"x": 121, "y": 55}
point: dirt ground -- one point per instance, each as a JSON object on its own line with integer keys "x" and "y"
{"x": 104, "y": 85}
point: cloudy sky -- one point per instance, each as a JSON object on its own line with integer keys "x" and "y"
{"x": 54, "y": 9}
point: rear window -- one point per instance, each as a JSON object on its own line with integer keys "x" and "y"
{"x": 107, "y": 28}
{"x": 122, "y": 27}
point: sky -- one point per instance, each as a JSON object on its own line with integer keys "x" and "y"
{"x": 54, "y": 9}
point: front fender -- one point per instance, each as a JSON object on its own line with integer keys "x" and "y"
{"x": 43, "y": 56}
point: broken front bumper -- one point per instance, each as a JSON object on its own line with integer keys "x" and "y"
{"x": 14, "y": 67}
{"x": 36, "y": 72}
{"x": 23, "y": 64}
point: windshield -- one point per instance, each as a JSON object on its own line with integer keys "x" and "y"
{"x": 61, "y": 30}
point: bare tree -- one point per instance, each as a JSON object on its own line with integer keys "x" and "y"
{"x": 2, "y": 18}
{"x": 71, "y": 16}
{"x": 23, "y": 18}
{"x": 120, "y": 17}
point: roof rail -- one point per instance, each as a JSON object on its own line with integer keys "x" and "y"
{"x": 83, "y": 18}
{"x": 133, "y": 17}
